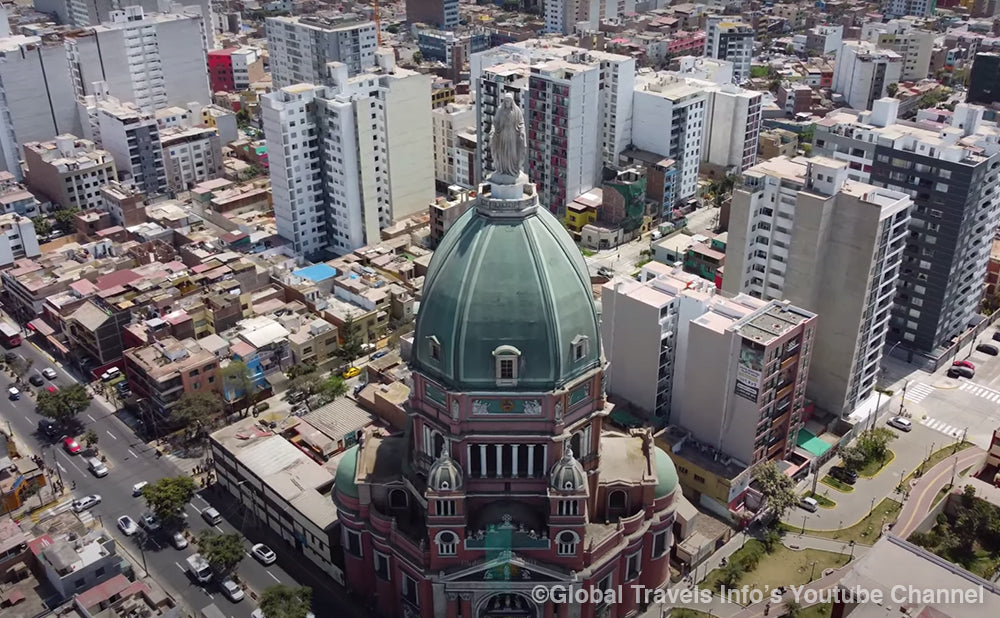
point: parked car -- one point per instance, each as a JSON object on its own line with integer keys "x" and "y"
{"x": 178, "y": 540}
{"x": 961, "y": 372}
{"x": 987, "y": 348}
{"x": 232, "y": 590}
{"x": 85, "y": 503}
{"x": 49, "y": 373}
{"x": 150, "y": 522}
{"x": 996, "y": 336}
{"x": 212, "y": 516}
{"x": 351, "y": 372}
{"x": 48, "y": 427}
{"x": 900, "y": 423}
{"x": 36, "y": 379}
{"x": 137, "y": 488}
{"x": 13, "y": 393}
{"x": 380, "y": 354}
{"x": 844, "y": 475}
{"x": 263, "y": 553}
{"x": 604, "y": 271}
{"x": 809, "y": 504}
{"x": 127, "y": 525}
{"x": 71, "y": 446}
{"x": 52, "y": 389}
{"x": 964, "y": 363}
{"x": 110, "y": 374}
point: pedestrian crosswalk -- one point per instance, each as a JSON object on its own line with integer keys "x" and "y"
{"x": 916, "y": 393}
{"x": 945, "y": 428}
{"x": 980, "y": 391}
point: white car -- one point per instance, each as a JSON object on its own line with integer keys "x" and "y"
{"x": 13, "y": 393}
{"x": 232, "y": 590}
{"x": 263, "y": 553}
{"x": 178, "y": 540}
{"x": 127, "y": 525}
{"x": 900, "y": 423}
{"x": 85, "y": 503}
{"x": 137, "y": 488}
{"x": 49, "y": 373}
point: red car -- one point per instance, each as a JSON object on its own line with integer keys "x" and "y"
{"x": 51, "y": 389}
{"x": 964, "y": 363}
{"x": 72, "y": 446}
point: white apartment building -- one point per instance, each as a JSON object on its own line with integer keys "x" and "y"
{"x": 17, "y": 238}
{"x": 133, "y": 139}
{"x": 899, "y": 8}
{"x": 863, "y": 72}
{"x": 562, "y": 16}
{"x": 448, "y": 124}
{"x": 190, "y": 155}
{"x": 242, "y": 59}
{"x": 727, "y": 38}
{"x": 69, "y": 171}
{"x": 154, "y": 60}
{"x": 668, "y": 117}
{"x": 732, "y": 126}
{"x": 83, "y": 13}
{"x": 300, "y": 47}
{"x": 467, "y": 159}
{"x": 912, "y": 44}
{"x": 801, "y": 231}
{"x": 331, "y": 150}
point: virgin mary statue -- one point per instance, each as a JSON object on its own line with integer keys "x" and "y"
{"x": 507, "y": 140}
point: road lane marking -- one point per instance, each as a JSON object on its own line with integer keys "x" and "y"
{"x": 221, "y": 531}
{"x": 92, "y": 418}
{"x": 179, "y": 566}
{"x": 273, "y": 577}
{"x": 196, "y": 509}
{"x": 60, "y": 466}
{"x": 132, "y": 454}
{"x": 111, "y": 434}
{"x": 204, "y": 501}
{"x": 27, "y": 419}
{"x": 80, "y": 470}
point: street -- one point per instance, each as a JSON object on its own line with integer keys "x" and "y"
{"x": 131, "y": 461}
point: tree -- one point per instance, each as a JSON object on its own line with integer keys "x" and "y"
{"x": 350, "y": 342}
{"x": 238, "y": 380}
{"x": 167, "y": 497}
{"x": 286, "y": 602}
{"x": 418, "y": 57}
{"x": 892, "y": 89}
{"x": 43, "y": 227}
{"x": 196, "y": 407}
{"x": 65, "y": 219}
{"x": 307, "y": 384}
{"x": 64, "y": 404}
{"x": 793, "y": 609}
{"x": 222, "y": 551}
{"x": 854, "y": 458}
{"x": 300, "y": 370}
{"x": 732, "y": 573}
{"x": 332, "y": 387}
{"x": 777, "y": 488}
{"x": 874, "y": 443}
{"x": 90, "y": 438}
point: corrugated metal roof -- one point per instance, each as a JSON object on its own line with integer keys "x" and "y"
{"x": 339, "y": 418}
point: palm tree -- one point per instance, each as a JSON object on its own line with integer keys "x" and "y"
{"x": 793, "y": 609}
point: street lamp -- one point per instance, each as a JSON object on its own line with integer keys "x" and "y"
{"x": 872, "y": 509}
{"x": 852, "y": 550}
{"x": 813, "y": 571}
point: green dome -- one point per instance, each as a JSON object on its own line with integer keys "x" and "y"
{"x": 666, "y": 474}
{"x": 346, "y": 470}
{"x": 518, "y": 282}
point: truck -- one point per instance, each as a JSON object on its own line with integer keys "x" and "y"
{"x": 10, "y": 335}
{"x": 199, "y": 568}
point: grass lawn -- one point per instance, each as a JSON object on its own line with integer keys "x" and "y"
{"x": 823, "y": 501}
{"x": 944, "y": 491}
{"x": 843, "y": 488}
{"x": 587, "y": 252}
{"x": 865, "y": 532}
{"x": 682, "y": 612}
{"x": 783, "y": 567}
{"x": 937, "y": 457}
{"x": 872, "y": 468}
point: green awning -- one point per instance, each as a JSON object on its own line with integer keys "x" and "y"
{"x": 811, "y": 443}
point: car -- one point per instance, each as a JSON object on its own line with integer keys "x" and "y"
{"x": 52, "y": 389}
{"x": 85, "y": 503}
{"x": 263, "y": 553}
{"x": 110, "y": 374}
{"x": 996, "y": 337}
{"x": 845, "y": 475}
{"x": 127, "y": 525}
{"x": 900, "y": 423}
{"x": 809, "y": 504}
{"x": 49, "y": 373}
{"x": 36, "y": 379}
{"x": 49, "y": 428}
{"x": 13, "y": 393}
{"x": 178, "y": 540}
{"x": 150, "y": 522}
{"x": 964, "y": 363}
{"x": 232, "y": 590}
{"x": 137, "y": 488}
{"x": 961, "y": 372}
{"x": 212, "y": 516}
{"x": 380, "y": 354}
{"x": 71, "y": 446}
{"x": 351, "y": 372}
{"x": 987, "y": 348}
{"x": 604, "y": 271}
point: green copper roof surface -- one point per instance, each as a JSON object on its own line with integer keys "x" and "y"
{"x": 666, "y": 474}
{"x": 346, "y": 470}
{"x": 495, "y": 282}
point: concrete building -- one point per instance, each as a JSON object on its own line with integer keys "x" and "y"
{"x": 299, "y": 48}
{"x": 800, "y": 231}
{"x": 901, "y": 8}
{"x": 863, "y": 72}
{"x": 15, "y": 197}
{"x": 163, "y": 371}
{"x": 824, "y": 39}
{"x": 17, "y": 238}
{"x": 190, "y": 155}
{"x": 95, "y": 12}
{"x": 727, "y": 38}
{"x": 132, "y": 137}
{"x": 562, "y": 16}
{"x": 235, "y": 68}
{"x": 438, "y": 13}
{"x": 732, "y": 125}
{"x": 96, "y": 327}
{"x": 152, "y": 60}
{"x": 125, "y": 203}
{"x": 667, "y": 119}
{"x": 381, "y": 116}
{"x": 984, "y": 79}
{"x": 73, "y": 565}
{"x": 69, "y": 171}
{"x": 448, "y": 124}
{"x": 445, "y": 211}
{"x": 950, "y": 173}
{"x": 912, "y": 44}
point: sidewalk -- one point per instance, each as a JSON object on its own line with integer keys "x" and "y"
{"x": 925, "y": 491}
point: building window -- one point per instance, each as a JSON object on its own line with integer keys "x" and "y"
{"x": 434, "y": 346}
{"x": 506, "y": 358}
{"x": 447, "y": 542}
{"x": 566, "y": 543}
{"x": 633, "y": 566}
{"x": 409, "y": 589}
{"x": 397, "y": 499}
{"x": 569, "y": 507}
{"x": 617, "y": 500}
{"x": 580, "y": 346}
{"x": 446, "y": 508}
{"x": 352, "y": 542}
{"x": 659, "y": 544}
{"x": 381, "y": 565}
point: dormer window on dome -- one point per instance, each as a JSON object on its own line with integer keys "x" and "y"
{"x": 434, "y": 348}
{"x": 507, "y": 360}
{"x": 581, "y": 347}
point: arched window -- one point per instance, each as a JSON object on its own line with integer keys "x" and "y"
{"x": 447, "y": 543}
{"x": 397, "y": 499}
{"x": 566, "y": 543}
{"x": 507, "y": 359}
{"x": 438, "y": 445}
{"x": 576, "y": 442}
{"x": 617, "y": 503}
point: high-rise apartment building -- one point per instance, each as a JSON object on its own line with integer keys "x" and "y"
{"x": 952, "y": 174}
{"x": 69, "y": 171}
{"x": 83, "y": 13}
{"x": 449, "y": 122}
{"x": 331, "y": 150}
{"x": 732, "y": 126}
{"x": 562, "y": 16}
{"x": 863, "y": 72}
{"x": 800, "y": 231}
{"x": 984, "y": 79}
{"x": 667, "y": 119}
{"x": 299, "y": 48}
{"x": 133, "y": 139}
{"x": 494, "y": 83}
{"x": 900, "y": 8}
{"x": 727, "y": 38}
{"x": 154, "y": 60}
{"x": 191, "y": 154}
{"x": 234, "y": 69}
{"x": 911, "y": 43}
{"x": 439, "y": 13}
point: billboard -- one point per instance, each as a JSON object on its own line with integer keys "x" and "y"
{"x": 749, "y": 371}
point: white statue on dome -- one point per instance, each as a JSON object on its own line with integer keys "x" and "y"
{"x": 507, "y": 140}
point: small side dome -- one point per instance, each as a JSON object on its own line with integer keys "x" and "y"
{"x": 666, "y": 474}
{"x": 344, "y": 480}
{"x": 444, "y": 474}
{"x": 567, "y": 474}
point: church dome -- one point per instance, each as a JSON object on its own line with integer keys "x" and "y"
{"x": 567, "y": 474}
{"x": 444, "y": 474}
{"x": 666, "y": 474}
{"x": 346, "y": 471}
{"x": 506, "y": 287}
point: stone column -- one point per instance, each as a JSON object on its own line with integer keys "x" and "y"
{"x": 466, "y": 601}
{"x": 452, "y": 605}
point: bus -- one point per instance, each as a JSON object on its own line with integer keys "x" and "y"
{"x": 10, "y": 335}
